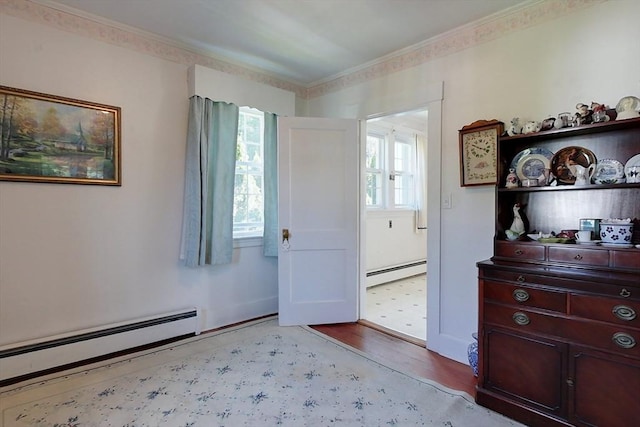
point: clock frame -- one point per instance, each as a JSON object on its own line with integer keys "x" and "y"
{"x": 479, "y": 152}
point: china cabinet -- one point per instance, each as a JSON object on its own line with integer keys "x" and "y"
{"x": 559, "y": 323}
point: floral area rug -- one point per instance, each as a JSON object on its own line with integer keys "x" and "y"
{"x": 258, "y": 374}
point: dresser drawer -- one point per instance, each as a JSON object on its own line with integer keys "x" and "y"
{"x": 576, "y": 255}
{"x": 613, "y": 338}
{"x": 626, "y": 259}
{"x": 525, "y": 296}
{"x": 520, "y": 251}
{"x": 613, "y": 310}
{"x": 523, "y": 320}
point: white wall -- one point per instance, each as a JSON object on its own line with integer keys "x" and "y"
{"x": 75, "y": 256}
{"x": 392, "y": 246}
{"x": 590, "y": 55}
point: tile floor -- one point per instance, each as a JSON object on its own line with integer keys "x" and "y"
{"x": 400, "y": 305}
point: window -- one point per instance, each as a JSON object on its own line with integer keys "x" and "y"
{"x": 390, "y": 169}
{"x": 248, "y": 203}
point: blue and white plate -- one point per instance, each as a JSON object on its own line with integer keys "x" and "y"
{"x": 609, "y": 171}
{"x": 531, "y": 163}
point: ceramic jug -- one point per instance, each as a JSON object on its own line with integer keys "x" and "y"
{"x": 583, "y": 175}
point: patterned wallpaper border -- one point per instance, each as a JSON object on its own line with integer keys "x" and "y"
{"x": 454, "y": 41}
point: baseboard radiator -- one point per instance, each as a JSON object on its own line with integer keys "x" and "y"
{"x": 398, "y": 272}
{"x": 29, "y": 358}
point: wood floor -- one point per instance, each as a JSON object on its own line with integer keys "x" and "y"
{"x": 415, "y": 359}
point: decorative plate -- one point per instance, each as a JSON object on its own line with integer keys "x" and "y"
{"x": 570, "y": 156}
{"x": 532, "y": 166}
{"x": 633, "y": 162}
{"x": 529, "y": 163}
{"x": 608, "y": 171}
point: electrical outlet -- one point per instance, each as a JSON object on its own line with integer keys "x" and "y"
{"x": 446, "y": 201}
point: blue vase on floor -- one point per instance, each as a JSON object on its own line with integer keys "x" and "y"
{"x": 472, "y": 352}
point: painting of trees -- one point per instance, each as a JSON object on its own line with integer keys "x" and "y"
{"x": 101, "y": 133}
{"x": 43, "y": 138}
{"x": 51, "y": 128}
{"x": 17, "y": 122}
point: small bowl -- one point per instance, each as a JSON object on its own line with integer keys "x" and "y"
{"x": 530, "y": 183}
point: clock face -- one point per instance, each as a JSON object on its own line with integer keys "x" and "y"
{"x": 479, "y": 150}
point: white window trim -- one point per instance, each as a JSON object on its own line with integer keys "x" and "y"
{"x": 247, "y": 242}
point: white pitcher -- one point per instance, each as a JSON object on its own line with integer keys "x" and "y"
{"x": 583, "y": 175}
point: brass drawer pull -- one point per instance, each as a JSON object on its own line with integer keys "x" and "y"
{"x": 520, "y": 279}
{"x": 521, "y": 318}
{"x": 623, "y": 312}
{"x": 518, "y": 252}
{"x": 577, "y": 257}
{"x": 520, "y": 295}
{"x": 623, "y": 340}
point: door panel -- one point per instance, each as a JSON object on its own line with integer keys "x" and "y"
{"x": 318, "y": 203}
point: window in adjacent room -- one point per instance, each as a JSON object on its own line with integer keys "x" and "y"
{"x": 248, "y": 205}
{"x": 390, "y": 169}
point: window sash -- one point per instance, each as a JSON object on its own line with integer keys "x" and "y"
{"x": 248, "y": 206}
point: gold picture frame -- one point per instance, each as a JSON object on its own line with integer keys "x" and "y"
{"x": 52, "y": 139}
{"x": 479, "y": 152}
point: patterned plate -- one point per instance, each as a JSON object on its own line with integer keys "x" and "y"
{"x": 532, "y": 166}
{"x": 526, "y": 161}
{"x": 608, "y": 171}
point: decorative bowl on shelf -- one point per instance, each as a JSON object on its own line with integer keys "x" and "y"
{"x": 616, "y": 231}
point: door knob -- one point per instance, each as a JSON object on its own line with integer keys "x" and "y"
{"x": 285, "y": 235}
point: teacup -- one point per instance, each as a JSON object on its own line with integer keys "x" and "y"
{"x": 583, "y": 236}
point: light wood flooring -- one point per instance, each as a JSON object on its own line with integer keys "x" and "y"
{"x": 415, "y": 359}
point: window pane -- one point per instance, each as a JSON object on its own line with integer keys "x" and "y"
{"x": 404, "y": 194}
{"x": 248, "y": 209}
{"x": 403, "y": 156}
{"x": 374, "y": 151}
{"x": 374, "y": 189}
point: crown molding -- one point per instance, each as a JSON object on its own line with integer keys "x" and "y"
{"x": 511, "y": 20}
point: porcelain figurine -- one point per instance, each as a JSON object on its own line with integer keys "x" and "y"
{"x": 517, "y": 228}
{"x": 627, "y": 108}
{"x": 515, "y": 128}
{"x": 584, "y": 115}
{"x": 599, "y": 112}
{"x": 564, "y": 120}
{"x": 531, "y": 127}
{"x": 512, "y": 179}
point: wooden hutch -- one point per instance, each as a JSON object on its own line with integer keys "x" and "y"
{"x": 559, "y": 323}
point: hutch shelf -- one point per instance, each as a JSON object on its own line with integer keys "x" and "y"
{"x": 559, "y": 323}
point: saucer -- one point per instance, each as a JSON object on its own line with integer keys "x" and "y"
{"x": 590, "y": 242}
{"x": 618, "y": 245}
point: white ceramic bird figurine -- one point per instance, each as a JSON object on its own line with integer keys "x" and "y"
{"x": 517, "y": 226}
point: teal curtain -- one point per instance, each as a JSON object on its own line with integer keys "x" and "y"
{"x": 207, "y": 236}
{"x": 270, "y": 236}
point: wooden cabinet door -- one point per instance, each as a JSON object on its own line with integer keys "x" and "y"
{"x": 604, "y": 389}
{"x": 526, "y": 369}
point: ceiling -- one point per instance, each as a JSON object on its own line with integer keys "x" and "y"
{"x": 301, "y": 41}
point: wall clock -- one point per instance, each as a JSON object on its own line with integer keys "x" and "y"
{"x": 478, "y": 152}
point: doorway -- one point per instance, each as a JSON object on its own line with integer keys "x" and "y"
{"x": 395, "y": 299}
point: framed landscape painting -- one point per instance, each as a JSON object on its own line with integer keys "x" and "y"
{"x": 47, "y": 138}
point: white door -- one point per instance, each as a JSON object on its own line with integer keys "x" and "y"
{"x": 318, "y": 192}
